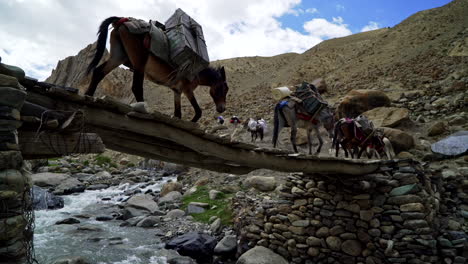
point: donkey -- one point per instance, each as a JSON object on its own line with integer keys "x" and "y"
{"x": 130, "y": 50}
{"x": 287, "y": 115}
{"x": 255, "y": 128}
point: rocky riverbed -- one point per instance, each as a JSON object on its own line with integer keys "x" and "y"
{"x": 125, "y": 217}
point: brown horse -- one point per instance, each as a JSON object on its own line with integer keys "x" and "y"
{"x": 356, "y": 137}
{"x": 129, "y": 49}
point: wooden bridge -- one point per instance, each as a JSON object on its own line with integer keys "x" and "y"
{"x": 160, "y": 137}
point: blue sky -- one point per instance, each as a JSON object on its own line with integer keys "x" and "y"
{"x": 35, "y": 34}
{"x": 357, "y": 13}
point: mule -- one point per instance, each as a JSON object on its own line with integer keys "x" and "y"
{"x": 130, "y": 50}
{"x": 356, "y": 138}
{"x": 379, "y": 146}
{"x": 287, "y": 116}
{"x": 255, "y": 127}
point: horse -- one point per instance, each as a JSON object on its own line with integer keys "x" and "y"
{"x": 255, "y": 127}
{"x": 287, "y": 115}
{"x": 378, "y": 145}
{"x": 130, "y": 49}
{"x": 358, "y": 135}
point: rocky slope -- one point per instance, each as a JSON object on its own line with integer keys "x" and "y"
{"x": 422, "y": 53}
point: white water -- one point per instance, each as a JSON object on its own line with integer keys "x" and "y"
{"x": 52, "y": 241}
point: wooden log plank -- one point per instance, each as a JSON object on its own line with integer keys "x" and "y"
{"x": 96, "y": 117}
{"x": 48, "y": 145}
{"x": 120, "y": 141}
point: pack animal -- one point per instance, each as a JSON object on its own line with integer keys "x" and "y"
{"x": 255, "y": 127}
{"x": 288, "y": 115}
{"x": 130, "y": 49}
{"x": 356, "y": 136}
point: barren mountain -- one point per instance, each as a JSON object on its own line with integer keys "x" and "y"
{"x": 421, "y": 53}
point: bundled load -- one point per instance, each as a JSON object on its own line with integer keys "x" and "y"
{"x": 310, "y": 97}
{"x": 187, "y": 46}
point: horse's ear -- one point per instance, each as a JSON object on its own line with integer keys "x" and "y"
{"x": 223, "y": 73}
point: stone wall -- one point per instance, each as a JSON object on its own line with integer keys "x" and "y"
{"x": 16, "y": 214}
{"x": 386, "y": 217}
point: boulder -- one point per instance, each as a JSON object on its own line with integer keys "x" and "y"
{"x": 261, "y": 255}
{"x": 69, "y": 186}
{"x": 261, "y": 183}
{"x": 437, "y": 128}
{"x": 49, "y": 179}
{"x": 142, "y": 201}
{"x": 216, "y": 226}
{"x": 45, "y": 200}
{"x": 226, "y": 246}
{"x": 171, "y": 197}
{"x": 71, "y": 260}
{"x": 149, "y": 221}
{"x": 171, "y": 187}
{"x": 400, "y": 140}
{"x": 68, "y": 221}
{"x": 453, "y": 145}
{"x": 130, "y": 212}
{"x": 175, "y": 213}
{"x": 357, "y": 102}
{"x": 196, "y": 208}
{"x": 387, "y": 116}
{"x": 198, "y": 246}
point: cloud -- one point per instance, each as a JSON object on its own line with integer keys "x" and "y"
{"x": 340, "y": 7}
{"x": 311, "y": 10}
{"x": 322, "y": 28}
{"x": 38, "y": 33}
{"x": 370, "y": 26}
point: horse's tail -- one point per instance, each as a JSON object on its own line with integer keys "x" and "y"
{"x": 335, "y": 134}
{"x": 101, "y": 42}
{"x": 276, "y": 124}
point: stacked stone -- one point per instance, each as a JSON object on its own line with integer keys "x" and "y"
{"x": 451, "y": 192}
{"x": 15, "y": 184}
{"x": 385, "y": 217}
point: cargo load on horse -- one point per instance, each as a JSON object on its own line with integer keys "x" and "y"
{"x": 187, "y": 45}
{"x": 311, "y": 100}
{"x": 179, "y": 42}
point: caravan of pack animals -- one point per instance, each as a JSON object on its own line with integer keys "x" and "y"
{"x": 354, "y": 151}
{"x": 304, "y": 109}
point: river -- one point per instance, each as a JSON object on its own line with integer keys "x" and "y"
{"x": 113, "y": 244}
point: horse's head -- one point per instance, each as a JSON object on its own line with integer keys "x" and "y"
{"x": 327, "y": 118}
{"x": 219, "y": 89}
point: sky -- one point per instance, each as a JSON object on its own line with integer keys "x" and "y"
{"x": 35, "y": 34}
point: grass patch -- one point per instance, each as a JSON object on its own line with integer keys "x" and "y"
{"x": 102, "y": 160}
{"x": 222, "y": 209}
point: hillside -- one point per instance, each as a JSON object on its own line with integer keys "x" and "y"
{"x": 420, "y": 53}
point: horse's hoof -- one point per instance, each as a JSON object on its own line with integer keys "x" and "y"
{"x": 139, "y": 107}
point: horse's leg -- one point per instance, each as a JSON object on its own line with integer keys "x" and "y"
{"x": 177, "y": 104}
{"x": 293, "y": 137}
{"x": 309, "y": 140}
{"x": 319, "y": 138}
{"x": 360, "y": 152}
{"x": 138, "y": 56}
{"x": 137, "y": 85}
{"x": 344, "y": 145}
{"x": 117, "y": 57}
{"x": 187, "y": 89}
